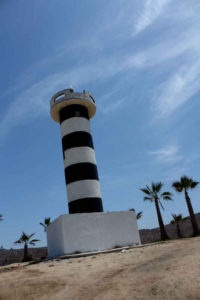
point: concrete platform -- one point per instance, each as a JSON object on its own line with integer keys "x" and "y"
{"x": 77, "y": 233}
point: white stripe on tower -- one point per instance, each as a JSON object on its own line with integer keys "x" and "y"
{"x": 75, "y": 124}
{"x": 79, "y": 155}
{"x": 83, "y": 189}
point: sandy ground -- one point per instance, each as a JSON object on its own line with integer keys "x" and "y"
{"x": 165, "y": 271}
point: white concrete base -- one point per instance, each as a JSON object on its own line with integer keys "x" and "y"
{"x": 86, "y": 232}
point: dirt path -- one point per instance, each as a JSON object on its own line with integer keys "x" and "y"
{"x": 165, "y": 271}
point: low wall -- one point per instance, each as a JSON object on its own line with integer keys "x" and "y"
{"x": 9, "y": 256}
{"x": 152, "y": 235}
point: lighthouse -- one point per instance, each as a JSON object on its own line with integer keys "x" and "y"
{"x": 87, "y": 227}
{"x": 73, "y": 111}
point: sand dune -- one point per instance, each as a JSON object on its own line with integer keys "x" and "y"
{"x": 162, "y": 271}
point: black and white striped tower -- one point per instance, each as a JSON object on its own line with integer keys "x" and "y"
{"x": 73, "y": 111}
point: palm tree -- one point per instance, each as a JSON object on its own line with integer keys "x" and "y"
{"x": 154, "y": 194}
{"x": 1, "y": 217}
{"x": 47, "y": 222}
{"x": 138, "y": 215}
{"x": 185, "y": 184}
{"x": 176, "y": 219}
{"x": 26, "y": 240}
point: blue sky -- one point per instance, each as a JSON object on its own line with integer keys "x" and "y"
{"x": 140, "y": 60}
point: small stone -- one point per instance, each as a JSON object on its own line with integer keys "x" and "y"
{"x": 123, "y": 251}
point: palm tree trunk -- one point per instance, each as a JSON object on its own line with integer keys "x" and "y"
{"x": 192, "y": 215}
{"x": 178, "y": 230}
{"x": 25, "y": 252}
{"x": 163, "y": 233}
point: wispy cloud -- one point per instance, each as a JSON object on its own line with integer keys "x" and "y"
{"x": 28, "y": 105}
{"x": 108, "y": 103}
{"x": 177, "y": 90}
{"x": 186, "y": 44}
{"x": 152, "y": 10}
{"x": 167, "y": 154}
{"x": 112, "y": 106}
{"x": 110, "y": 181}
{"x": 33, "y": 100}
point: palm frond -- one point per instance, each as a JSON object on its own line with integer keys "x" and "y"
{"x": 18, "y": 242}
{"x": 167, "y": 198}
{"x": 42, "y": 225}
{"x": 139, "y": 215}
{"x": 177, "y": 186}
{"x": 185, "y": 181}
{"x": 148, "y": 199}
{"x": 176, "y": 218}
{"x": 194, "y": 184}
{"x": 148, "y": 188}
{"x": 179, "y": 217}
{"x": 166, "y": 194}
{"x": 24, "y": 237}
{"x": 188, "y": 183}
{"x": 32, "y": 242}
{"x": 146, "y": 191}
{"x": 156, "y": 187}
{"x": 161, "y": 204}
{"x": 153, "y": 186}
{"x": 30, "y": 236}
{"x": 47, "y": 221}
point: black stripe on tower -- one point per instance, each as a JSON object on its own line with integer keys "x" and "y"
{"x": 81, "y": 171}
{"x": 74, "y": 110}
{"x": 77, "y": 139}
{"x": 85, "y": 205}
